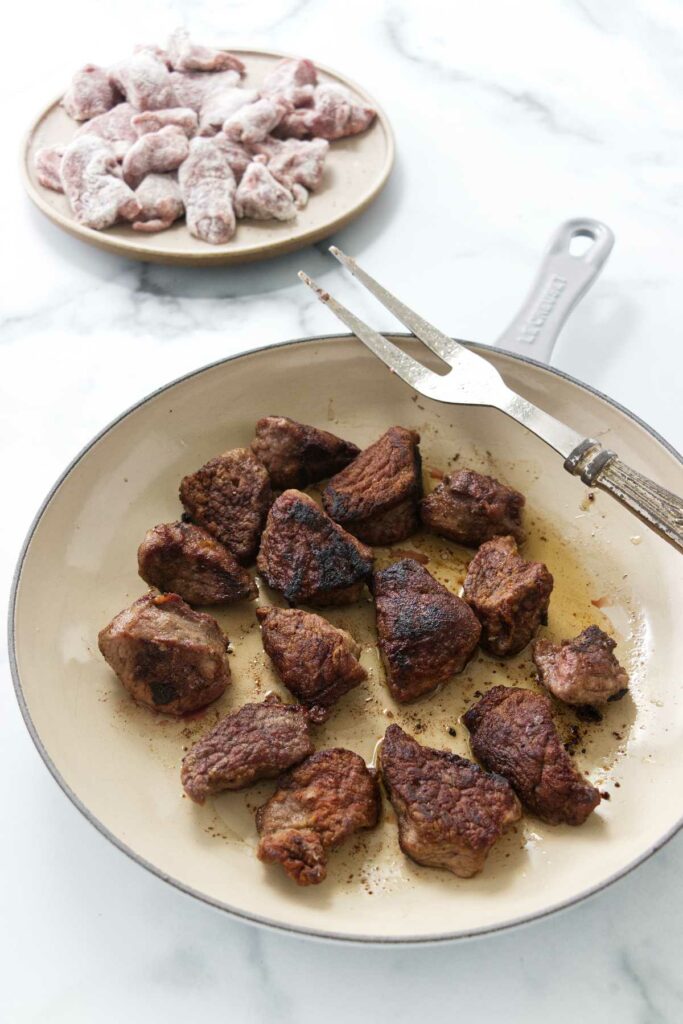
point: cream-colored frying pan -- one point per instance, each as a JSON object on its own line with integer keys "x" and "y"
{"x": 120, "y": 764}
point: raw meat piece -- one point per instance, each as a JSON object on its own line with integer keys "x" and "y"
{"x": 145, "y": 81}
{"x": 293, "y": 80}
{"x": 91, "y": 178}
{"x": 185, "y": 55}
{"x": 191, "y": 88}
{"x": 296, "y": 454}
{"x": 207, "y": 184}
{"x": 115, "y": 127}
{"x": 295, "y": 161}
{"x": 316, "y": 661}
{"x": 317, "y": 805}
{"x": 450, "y": 812}
{"x": 230, "y": 497}
{"x": 512, "y": 733}
{"x": 186, "y": 560}
{"x": 256, "y": 742}
{"x": 583, "y": 670}
{"x": 90, "y": 93}
{"x": 184, "y": 118}
{"x": 156, "y": 153}
{"x": 220, "y": 104}
{"x": 252, "y": 122}
{"x": 161, "y": 202}
{"x": 260, "y": 196}
{"x": 334, "y": 115}
{"x": 470, "y": 509}
{"x": 48, "y": 163}
{"x": 167, "y": 656}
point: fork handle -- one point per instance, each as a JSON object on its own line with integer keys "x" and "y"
{"x": 659, "y": 508}
{"x": 563, "y": 278}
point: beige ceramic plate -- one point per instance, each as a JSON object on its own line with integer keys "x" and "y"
{"x": 356, "y": 170}
{"x": 119, "y": 763}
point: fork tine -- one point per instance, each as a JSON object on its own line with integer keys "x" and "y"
{"x": 440, "y": 344}
{"x": 403, "y": 365}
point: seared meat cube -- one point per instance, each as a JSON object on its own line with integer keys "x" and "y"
{"x": 230, "y": 497}
{"x": 316, "y": 807}
{"x": 450, "y": 812}
{"x": 512, "y": 733}
{"x": 256, "y": 742}
{"x": 470, "y": 508}
{"x": 425, "y": 633}
{"x": 308, "y": 558}
{"x": 509, "y": 596}
{"x": 167, "y": 656}
{"x": 583, "y": 670}
{"x": 316, "y": 661}
{"x": 297, "y": 455}
{"x": 188, "y": 561}
{"x": 376, "y": 497}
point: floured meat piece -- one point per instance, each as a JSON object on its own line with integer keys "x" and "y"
{"x": 509, "y": 595}
{"x": 191, "y": 88}
{"x": 184, "y": 55}
{"x": 316, "y": 662}
{"x": 207, "y": 185}
{"x": 257, "y": 742}
{"x": 48, "y": 164}
{"x": 334, "y": 115}
{"x": 252, "y": 122}
{"x": 156, "y": 51}
{"x": 308, "y": 558}
{"x": 167, "y": 656}
{"x": 297, "y": 455}
{"x": 450, "y": 812}
{"x": 161, "y": 204}
{"x": 317, "y": 805}
{"x": 425, "y": 633}
{"x": 115, "y": 127}
{"x": 512, "y": 733}
{"x": 583, "y": 670}
{"x": 220, "y": 104}
{"x": 230, "y": 497}
{"x": 236, "y": 155}
{"x": 293, "y": 80}
{"x": 90, "y": 93}
{"x": 376, "y": 497}
{"x": 261, "y": 197}
{"x": 186, "y": 560}
{"x": 155, "y": 153}
{"x": 145, "y": 81}
{"x": 184, "y": 118}
{"x": 471, "y": 508}
{"x": 295, "y": 161}
{"x": 91, "y": 178}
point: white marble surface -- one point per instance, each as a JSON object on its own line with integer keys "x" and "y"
{"x": 509, "y": 118}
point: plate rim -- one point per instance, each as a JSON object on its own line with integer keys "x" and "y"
{"x": 319, "y": 934}
{"x": 215, "y": 256}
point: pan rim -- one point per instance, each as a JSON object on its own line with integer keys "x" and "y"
{"x": 257, "y": 919}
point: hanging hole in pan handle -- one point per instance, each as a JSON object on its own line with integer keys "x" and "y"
{"x": 585, "y": 239}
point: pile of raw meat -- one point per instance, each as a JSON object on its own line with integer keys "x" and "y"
{"x": 173, "y": 132}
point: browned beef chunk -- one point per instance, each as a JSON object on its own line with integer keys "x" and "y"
{"x": 470, "y": 508}
{"x": 450, "y": 812}
{"x": 186, "y": 560}
{"x": 317, "y": 662}
{"x": 316, "y": 807}
{"x": 583, "y": 670}
{"x": 376, "y": 497}
{"x": 425, "y": 633}
{"x": 512, "y": 733}
{"x": 297, "y": 455}
{"x": 257, "y": 742}
{"x": 167, "y": 656}
{"x": 509, "y": 596}
{"x": 230, "y": 497}
{"x": 308, "y": 558}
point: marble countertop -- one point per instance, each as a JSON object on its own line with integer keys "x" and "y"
{"x": 509, "y": 118}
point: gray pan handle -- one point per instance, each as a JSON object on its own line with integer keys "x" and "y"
{"x": 562, "y": 280}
